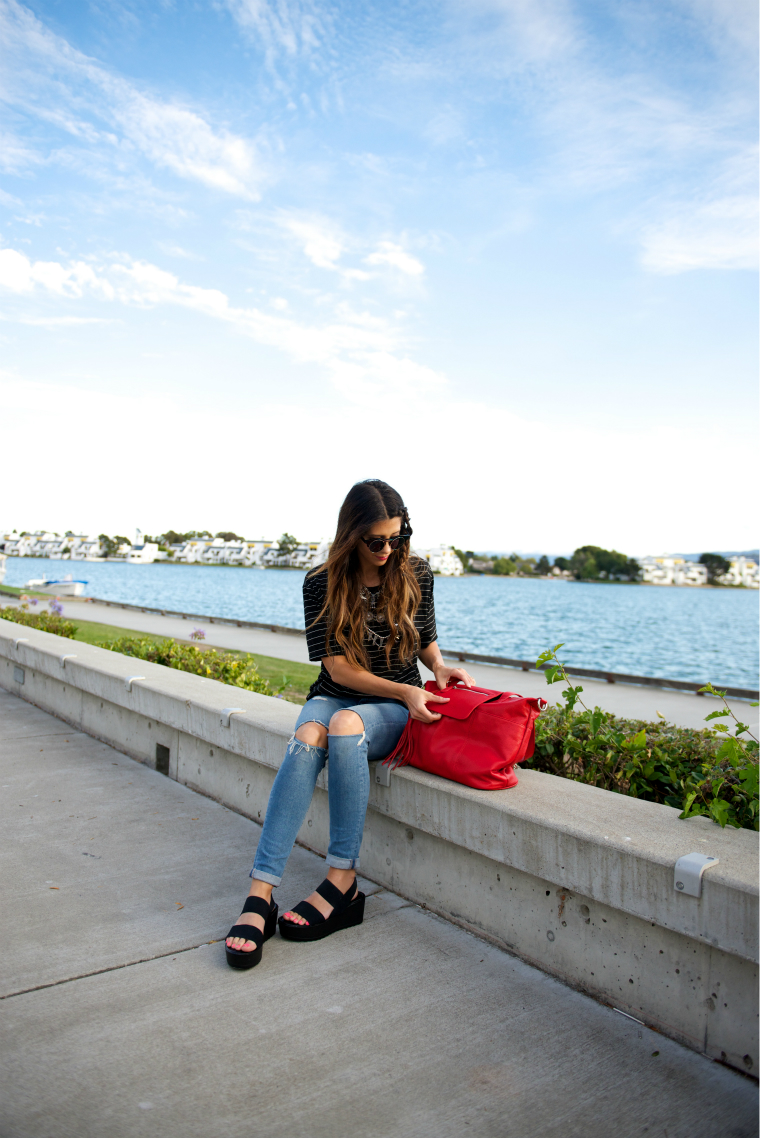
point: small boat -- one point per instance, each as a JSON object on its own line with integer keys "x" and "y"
{"x": 63, "y": 587}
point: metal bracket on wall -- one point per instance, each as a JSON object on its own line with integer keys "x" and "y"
{"x": 20, "y": 640}
{"x": 226, "y": 712}
{"x": 687, "y": 877}
{"x": 68, "y": 656}
{"x": 382, "y": 774}
{"x": 130, "y": 680}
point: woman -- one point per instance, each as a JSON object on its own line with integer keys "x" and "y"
{"x": 369, "y": 616}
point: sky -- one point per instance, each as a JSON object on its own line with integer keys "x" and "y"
{"x": 500, "y": 253}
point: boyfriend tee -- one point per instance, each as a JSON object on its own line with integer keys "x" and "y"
{"x": 376, "y": 632}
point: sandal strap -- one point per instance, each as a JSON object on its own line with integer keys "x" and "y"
{"x": 333, "y": 895}
{"x": 247, "y": 932}
{"x": 257, "y": 905}
{"x": 308, "y": 912}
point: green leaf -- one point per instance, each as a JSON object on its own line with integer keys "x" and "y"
{"x": 750, "y": 779}
{"x": 717, "y": 714}
{"x": 688, "y": 803}
{"x": 720, "y": 811}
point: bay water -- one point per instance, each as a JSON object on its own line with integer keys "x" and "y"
{"x": 696, "y": 634}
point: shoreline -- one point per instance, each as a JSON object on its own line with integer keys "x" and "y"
{"x": 442, "y": 576}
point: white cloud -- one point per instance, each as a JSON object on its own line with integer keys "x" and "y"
{"x": 719, "y": 234}
{"x": 363, "y": 354}
{"x": 320, "y": 242}
{"x": 285, "y": 28}
{"x": 19, "y": 274}
{"x": 323, "y": 243}
{"x": 387, "y": 253}
{"x": 182, "y": 141}
{"x": 46, "y": 77}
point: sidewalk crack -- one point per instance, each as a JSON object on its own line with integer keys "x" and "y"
{"x": 101, "y": 971}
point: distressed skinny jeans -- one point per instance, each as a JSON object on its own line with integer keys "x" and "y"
{"x": 347, "y": 757}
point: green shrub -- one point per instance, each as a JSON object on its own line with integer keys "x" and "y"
{"x": 709, "y": 772}
{"x": 45, "y": 621}
{"x": 227, "y": 667}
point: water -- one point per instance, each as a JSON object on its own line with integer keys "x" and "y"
{"x": 685, "y": 634}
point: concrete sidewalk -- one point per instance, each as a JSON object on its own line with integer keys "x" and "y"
{"x": 121, "y": 1018}
{"x": 628, "y": 700}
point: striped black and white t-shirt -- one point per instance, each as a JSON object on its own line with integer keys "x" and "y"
{"x": 376, "y": 633}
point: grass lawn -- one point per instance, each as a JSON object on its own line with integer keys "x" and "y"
{"x": 297, "y": 678}
{"x": 12, "y": 591}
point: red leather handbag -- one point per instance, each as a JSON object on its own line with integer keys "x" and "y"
{"x": 478, "y": 739}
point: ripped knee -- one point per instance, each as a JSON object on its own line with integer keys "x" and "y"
{"x": 346, "y": 723}
{"x": 313, "y": 734}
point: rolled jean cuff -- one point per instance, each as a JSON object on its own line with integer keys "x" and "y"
{"x": 342, "y": 862}
{"x": 260, "y": 875}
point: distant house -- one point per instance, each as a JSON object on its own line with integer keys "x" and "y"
{"x": 481, "y": 565}
{"x": 743, "y": 571}
{"x": 191, "y": 552}
{"x": 89, "y": 549}
{"x": 672, "y": 571}
{"x": 442, "y": 559}
{"x": 16, "y": 546}
{"x": 144, "y": 554}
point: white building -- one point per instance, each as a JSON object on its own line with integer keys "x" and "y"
{"x": 742, "y": 572}
{"x": 672, "y": 571}
{"x": 305, "y": 556}
{"x": 89, "y": 549}
{"x": 42, "y": 544}
{"x": 442, "y": 559}
{"x": 144, "y": 554}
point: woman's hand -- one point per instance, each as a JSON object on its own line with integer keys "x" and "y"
{"x": 417, "y": 699}
{"x": 443, "y": 675}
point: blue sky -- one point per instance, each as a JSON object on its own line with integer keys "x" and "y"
{"x": 498, "y": 252}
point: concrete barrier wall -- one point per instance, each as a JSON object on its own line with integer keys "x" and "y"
{"x": 576, "y": 880}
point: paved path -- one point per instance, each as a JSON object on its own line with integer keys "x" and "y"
{"x": 121, "y": 1019}
{"x": 629, "y": 700}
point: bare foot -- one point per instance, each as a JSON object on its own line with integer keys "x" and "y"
{"x": 258, "y": 889}
{"x": 341, "y": 879}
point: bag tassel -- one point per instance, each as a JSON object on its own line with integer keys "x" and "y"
{"x": 403, "y": 751}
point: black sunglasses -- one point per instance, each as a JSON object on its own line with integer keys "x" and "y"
{"x": 376, "y": 544}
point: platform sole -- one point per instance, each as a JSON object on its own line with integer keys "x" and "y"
{"x": 236, "y": 958}
{"x": 347, "y": 919}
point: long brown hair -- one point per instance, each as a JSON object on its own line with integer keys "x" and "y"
{"x": 345, "y": 604}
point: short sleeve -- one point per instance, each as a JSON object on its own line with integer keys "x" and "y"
{"x": 314, "y": 593}
{"x": 425, "y": 617}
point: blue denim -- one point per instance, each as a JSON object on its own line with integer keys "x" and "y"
{"x": 347, "y": 785}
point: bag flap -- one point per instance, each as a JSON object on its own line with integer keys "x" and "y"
{"x": 462, "y": 701}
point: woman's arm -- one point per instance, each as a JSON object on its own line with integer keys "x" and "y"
{"x": 361, "y": 680}
{"x": 431, "y": 657}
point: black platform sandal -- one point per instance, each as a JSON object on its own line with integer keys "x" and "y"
{"x": 347, "y": 912}
{"x": 236, "y": 958}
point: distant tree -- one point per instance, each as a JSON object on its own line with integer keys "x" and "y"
{"x": 562, "y": 563}
{"x": 108, "y": 544}
{"x": 228, "y": 535}
{"x": 287, "y": 544}
{"x": 120, "y": 539}
{"x": 716, "y": 566}
{"x": 465, "y": 557}
{"x": 592, "y": 563}
{"x": 503, "y": 566}
{"x": 542, "y": 565}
